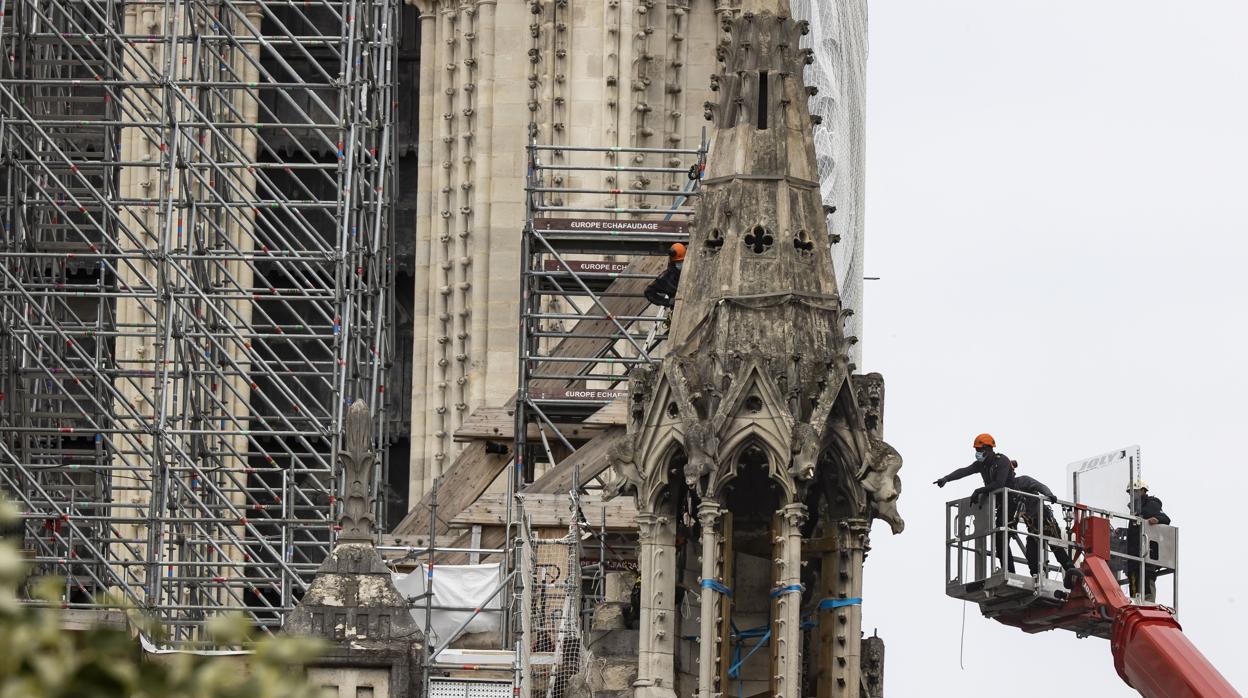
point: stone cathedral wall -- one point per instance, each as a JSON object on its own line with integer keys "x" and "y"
{"x": 495, "y": 74}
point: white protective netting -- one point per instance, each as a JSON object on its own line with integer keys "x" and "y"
{"x": 838, "y": 36}
{"x": 556, "y": 644}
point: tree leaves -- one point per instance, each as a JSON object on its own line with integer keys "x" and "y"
{"x": 38, "y": 659}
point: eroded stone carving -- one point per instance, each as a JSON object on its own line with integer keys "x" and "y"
{"x": 882, "y": 482}
{"x": 805, "y": 451}
{"x": 623, "y": 477}
{"x": 701, "y": 450}
{"x": 353, "y": 603}
{"x": 356, "y": 462}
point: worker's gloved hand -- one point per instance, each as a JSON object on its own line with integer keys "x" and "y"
{"x": 1052, "y": 499}
{"x": 976, "y": 499}
{"x": 940, "y": 482}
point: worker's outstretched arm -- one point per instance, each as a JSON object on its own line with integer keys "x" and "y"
{"x": 958, "y": 474}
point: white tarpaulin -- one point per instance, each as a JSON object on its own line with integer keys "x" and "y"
{"x": 456, "y": 586}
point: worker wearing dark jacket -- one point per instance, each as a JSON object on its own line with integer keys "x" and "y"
{"x": 995, "y": 468}
{"x": 997, "y": 472}
{"x": 662, "y": 291}
{"x": 1037, "y": 516}
{"x": 1148, "y": 508}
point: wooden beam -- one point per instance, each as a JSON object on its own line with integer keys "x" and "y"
{"x": 551, "y": 510}
{"x": 592, "y": 459}
{"x": 499, "y": 424}
{"x": 615, "y": 413}
{"x": 471, "y": 473}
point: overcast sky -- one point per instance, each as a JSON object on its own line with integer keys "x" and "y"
{"x": 1057, "y": 206}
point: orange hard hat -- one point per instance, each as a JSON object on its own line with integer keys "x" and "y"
{"x": 677, "y": 253}
{"x": 985, "y": 440}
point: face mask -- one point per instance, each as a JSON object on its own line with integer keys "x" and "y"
{"x": 679, "y": 265}
{"x": 980, "y": 456}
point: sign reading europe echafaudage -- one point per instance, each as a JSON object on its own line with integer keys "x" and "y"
{"x": 602, "y": 225}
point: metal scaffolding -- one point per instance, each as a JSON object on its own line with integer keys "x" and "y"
{"x": 586, "y": 255}
{"x": 194, "y": 286}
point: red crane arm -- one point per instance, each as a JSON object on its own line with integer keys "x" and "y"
{"x": 1155, "y": 658}
{"x": 1151, "y": 653}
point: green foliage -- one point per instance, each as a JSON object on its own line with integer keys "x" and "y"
{"x": 38, "y": 659}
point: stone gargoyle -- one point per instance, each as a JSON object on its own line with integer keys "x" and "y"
{"x": 702, "y": 451}
{"x": 804, "y": 446}
{"x": 623, "y": 476}
{"x": 882, "y": 483}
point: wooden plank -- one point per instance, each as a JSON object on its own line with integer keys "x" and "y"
{"x": 499, "y": 424}
{"x": 614, "y": 414}
{"x": 488, "y": 422}
{"x": 552, "y": 511}
{"x": 471, "y": 473}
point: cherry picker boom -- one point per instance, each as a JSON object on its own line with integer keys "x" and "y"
{"x": 1151, "y": 652}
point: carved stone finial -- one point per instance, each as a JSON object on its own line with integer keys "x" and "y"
{"x": 356, "y": 459}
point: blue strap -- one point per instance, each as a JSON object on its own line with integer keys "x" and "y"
{"x": 792, "y": 589}
{"x": 828, "y": 604}
{"x": 763, "y": 633}
{"x": 734, "y": 671}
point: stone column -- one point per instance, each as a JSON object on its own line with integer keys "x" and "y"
{"x": 787, "y": 628}
{"x": 840, "y": 626}
{"x": 656, "y": 671}
{"x": 426, "y": 300}
{"x": 708, "y": 636}
{"x": 136, "y": 351}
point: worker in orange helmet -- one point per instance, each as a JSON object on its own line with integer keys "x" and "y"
{"x": 997, "y": 472}
{"x": 662, "y": 291}
{"x": 995, "y": 468}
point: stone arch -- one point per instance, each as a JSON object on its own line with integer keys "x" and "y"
{"x": 656, "y": 469}
{"x": 733, "y": 450}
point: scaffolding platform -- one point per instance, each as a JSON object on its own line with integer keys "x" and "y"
{"x": 589, "y": 251}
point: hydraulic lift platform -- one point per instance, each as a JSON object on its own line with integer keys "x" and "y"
{"x": 1121, "y": 566}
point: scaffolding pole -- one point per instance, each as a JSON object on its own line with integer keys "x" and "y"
{"x": 195, "y": 269}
